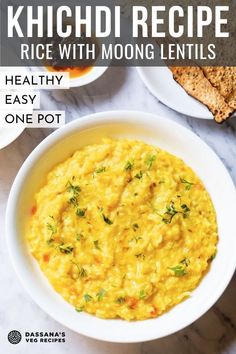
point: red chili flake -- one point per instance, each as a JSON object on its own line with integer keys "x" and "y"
{"x": 154, "y": 312}
{"x": 46, "y": 257}
{"x": 132, "y": 302}
{"x": 33, "y": 209}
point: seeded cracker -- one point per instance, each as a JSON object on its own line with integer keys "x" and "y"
{"x": 194, "y": 82}
{"x": 224, "y": 80}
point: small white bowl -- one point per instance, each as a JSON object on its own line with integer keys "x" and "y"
{"x": 90, "y": 76}
{"x": 154, "y": 130}
{"x": 85, "y": 79}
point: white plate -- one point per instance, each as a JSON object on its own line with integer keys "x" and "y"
{"x": 160, "y": 82}
{"x": 153, "y": 130}
{"x": 8, "y": 135}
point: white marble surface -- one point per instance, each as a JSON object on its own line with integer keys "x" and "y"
{"x": 119, "y": 88}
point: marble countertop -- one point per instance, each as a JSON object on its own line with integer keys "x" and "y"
{"x": 119, "y": 88}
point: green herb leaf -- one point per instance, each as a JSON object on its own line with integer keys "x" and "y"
{"x": 79, "y": 237}
{"x": 81, "y": 271}
{"x": 139, "y": 175}
{"x": 185, "y": 261}
{"x": 129, "y": 165}
{"x": 149, "y": 160}
{"x": 188, "y": 185}
{"x": 65, "y": 249}
{"x": 96, "y": 244}
{"x": 79, "y": 309}
{"x": 74, "y": 189}
{"x": 138, "y": 238}
{"x": 87, "y": 298}
{"x": 186, "y": 210}
{"x": 50, "y": 241}
{"x": 120, "y": 300}
{"x": 140, "y": 255}
{"x": 52, "y": 226}
{"x": 100, "y": 294}
{"x": 170, "y": 213}
{"x": 101, "y": 169}
{"x": 80, "y": 212}
{"x": 179, "y": 270}
{"x": 135, "y": 227}
{"x": 142, "y": 295}
{"x": 73, "y": 201}
{"x": 107, "y": 220}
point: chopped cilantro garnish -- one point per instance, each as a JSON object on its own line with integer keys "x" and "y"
{"x": 188, "y": 185}
{"x": 170, "y": 213}
{"x": 139, "y": 175}
{"x": 73, "y": 201}
{"x": 87, "y": 297}
{"x": 179, "y": 270}
{"x": 185, "y": 261}
{"x": 140, "y": 255}
{"x": 65, "y": 249}
{"x": 186, "y": 210}
{"x": 96, "y": 244}
{"x": 80, "y": 212}
{"x": 81, "y": 271}
{"x": 149, "y": 160}
{"x": 120, "y": 300}
{"x": 79, "y": 237}
{"x": 129, "y": 165}
{"x": 100, "y": 294}
{"x": 79, "y": 309}
{"x": 142, "y": 294}
{"x": 101, "y": 169}
{"x": 52, "y": 226}
{"x": 74, "y": 189}
{"x": 135, "y": 227}
{"x": 50, "y": 241}
{"x": 107, "y": 220}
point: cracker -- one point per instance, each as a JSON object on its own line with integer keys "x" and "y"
{"x": 224, "y": 80}
{"x": 195, "y": 83}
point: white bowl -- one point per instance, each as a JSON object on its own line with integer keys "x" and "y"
{"x": 154, "y": 130}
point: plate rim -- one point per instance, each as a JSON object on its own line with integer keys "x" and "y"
{"x": 140, "y": 70}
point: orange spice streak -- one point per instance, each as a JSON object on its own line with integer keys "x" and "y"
{"x": 46, "y": 257}
{"x": 33, "y": 209}
{"x": 154, "y": 312}
{"x": 74, "y": 72}
{"x": 132, "y": 302}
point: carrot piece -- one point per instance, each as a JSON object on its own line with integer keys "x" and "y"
{"x": 154, "y": 312}
{"x": 132, "y": 302}
{"x": 46, "y": 257}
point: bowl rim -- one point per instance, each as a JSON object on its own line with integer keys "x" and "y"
{"x": 88, "y": 121}
{"x": 92, "y": 75}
